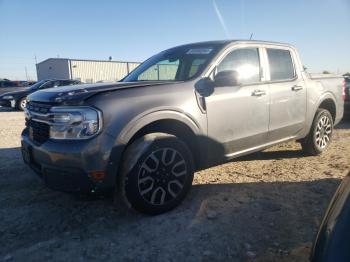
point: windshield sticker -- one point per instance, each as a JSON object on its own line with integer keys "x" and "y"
{"x": 199, "y": 51}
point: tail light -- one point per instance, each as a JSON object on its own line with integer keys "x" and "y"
{"x": 343, "y": 93}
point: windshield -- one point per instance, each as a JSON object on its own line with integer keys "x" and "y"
{"x": 36, "y": 85}
{"x": 176, "y": 64}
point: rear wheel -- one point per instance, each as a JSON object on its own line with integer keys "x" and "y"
{"x": 22, "y": 103}
{"x": 157, "y": 173}
{"x": 320, "y": 134}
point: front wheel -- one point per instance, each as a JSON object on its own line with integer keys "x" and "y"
{"x": 320, "y": 134}
{"x": 22, "y": 103}
{"x": 157, "y": 173}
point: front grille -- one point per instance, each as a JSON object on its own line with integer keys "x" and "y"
{"x": 38, "y": 108}
{"x": 38, "y": 132}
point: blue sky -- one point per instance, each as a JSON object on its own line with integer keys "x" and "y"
{"x": 134, "y": 30}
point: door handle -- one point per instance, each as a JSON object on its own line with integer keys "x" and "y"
{"x": 296, "y": 88}
{"x": 258, "y": 93}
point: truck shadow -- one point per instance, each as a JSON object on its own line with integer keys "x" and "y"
{"x": 265, "y": 215}
{"x": 344, "y": 124}
{"x": 6, "y": 109}
{"x": 272, "y": 155}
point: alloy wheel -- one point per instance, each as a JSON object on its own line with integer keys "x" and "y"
{"x": 323, "y": 131}
{"x": 23, "y": 103}
{"x": 162, "y": 176}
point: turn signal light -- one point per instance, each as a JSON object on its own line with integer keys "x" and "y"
{"x": 98, "y": 175}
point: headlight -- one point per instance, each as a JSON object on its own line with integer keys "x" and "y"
{"x": 74, "y": 122}
{"x": 7, "y": 97}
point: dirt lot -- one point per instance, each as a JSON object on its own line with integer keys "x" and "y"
{"x": 265, "y": 207}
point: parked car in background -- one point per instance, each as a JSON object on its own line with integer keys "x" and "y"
{"x": 184, "y": 109}
{"x": 18, "y": 99}
{"x": 333, "y": 238}
{"x": 26, "y": 83}
{"x": 347, "y": 98}
{"x": 7, "y": 85}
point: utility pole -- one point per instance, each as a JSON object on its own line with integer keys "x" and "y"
{"x": 251, "y": 36}
{"x": 25, "y": 69}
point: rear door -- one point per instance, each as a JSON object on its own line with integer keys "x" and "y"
{"x": 287, "y": 94}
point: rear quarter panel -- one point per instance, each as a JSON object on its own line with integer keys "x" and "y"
{"x": 318, "y": 90}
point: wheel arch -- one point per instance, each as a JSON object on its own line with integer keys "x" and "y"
{"x": 19, "y": 99}
{"x": 170, "y": 122}
{"x": 329, "y": 104}
{"x": 326, "y": 101}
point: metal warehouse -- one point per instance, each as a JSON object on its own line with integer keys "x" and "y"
{"x": 87, "y": 71}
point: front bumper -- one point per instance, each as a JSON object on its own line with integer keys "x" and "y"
{"x": 67, "y": 165}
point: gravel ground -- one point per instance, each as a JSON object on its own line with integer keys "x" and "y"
{"x": 265, "y": 207}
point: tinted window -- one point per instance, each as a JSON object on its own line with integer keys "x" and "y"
{"x": 47, "y": 85}
{"x": 245, "y": 62}
{"x": 281, "y": 64}
{"x": 66, "y": 83}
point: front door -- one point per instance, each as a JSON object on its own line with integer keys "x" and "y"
{"x": 238, "y": 116}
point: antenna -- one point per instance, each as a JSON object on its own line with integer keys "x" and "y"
{"x": 251, "y": 36}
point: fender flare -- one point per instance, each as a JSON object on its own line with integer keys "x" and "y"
{"x": 136, "y": 124}
{"x": 323, "y": 97}
{"x": 143, "y": 120}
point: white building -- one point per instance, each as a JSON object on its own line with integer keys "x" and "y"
{"x": 87, "y": 71}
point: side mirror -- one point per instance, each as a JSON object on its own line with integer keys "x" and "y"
{"x": 205, "y": 86}
{"x": 226, "y": 78}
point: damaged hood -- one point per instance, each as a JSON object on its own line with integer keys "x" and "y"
{"x": 77, "y": 94}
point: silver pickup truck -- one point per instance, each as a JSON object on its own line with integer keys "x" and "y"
{"x": 184, "y": 109}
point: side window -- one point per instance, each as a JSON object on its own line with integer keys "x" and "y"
{"x": 66, "y": 83}
{"x": 46, "y": 85}
{"x": 195, "y": 66}
{"x": 57, "y": 83}
{"x": 281, "y": 64}
{"x": 245, "y": 62}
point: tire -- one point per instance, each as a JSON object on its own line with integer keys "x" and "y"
{"x": 22, "y": 103}
{"x": 157, "y": 173}
{"x": 320, "y": 135}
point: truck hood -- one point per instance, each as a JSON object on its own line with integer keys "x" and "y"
{"x": 77, "y": 94}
